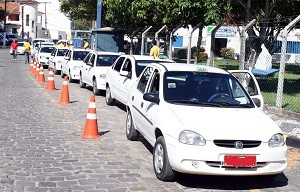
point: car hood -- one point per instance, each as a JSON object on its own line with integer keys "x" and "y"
{"x": 226, "y": 123}
{"x": 45, "y": 54}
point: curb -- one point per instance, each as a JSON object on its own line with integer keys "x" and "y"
{"x": 293, "y": 141}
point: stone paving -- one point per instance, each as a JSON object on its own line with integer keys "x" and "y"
{"x": 41, "y": 148}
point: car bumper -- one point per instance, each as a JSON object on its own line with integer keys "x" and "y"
{"x": 75, "y": 74}
{"x": 101, "y": 84}
{"x": 43, "y": 61}
{"x": 209, "y": 159}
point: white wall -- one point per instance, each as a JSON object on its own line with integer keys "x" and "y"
{"x": 57, "y": 22}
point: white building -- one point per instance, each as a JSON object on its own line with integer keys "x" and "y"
{"x": 36, "y": 18}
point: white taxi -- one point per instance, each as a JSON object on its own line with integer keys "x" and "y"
{"x": 56, "y": 58}
{"x": 93, "y": 69}
{"x": 121, "y": 75}
{"x": 71, "y": 63}
{"x": 201, "y": 120}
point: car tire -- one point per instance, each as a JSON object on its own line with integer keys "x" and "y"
{"x": 108, "y": 98}
{"x": 131, "y": 133}
{"x": 81, "y": 83}
{"x": 161, "y": 164}
{"x": 55, "y": 71}
{"x": 71, "y": 80}
{"x": 62, "y": 74}
{"x": 95, "y": 90}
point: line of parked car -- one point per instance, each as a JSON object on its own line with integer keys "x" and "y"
{"x": 199, "y": 119}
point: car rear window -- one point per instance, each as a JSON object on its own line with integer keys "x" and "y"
{"x": 61, "y": 52}
{"x": 47, "y": 49}
{"x": 106, "y": 60}
{"x": 79, "y": 55}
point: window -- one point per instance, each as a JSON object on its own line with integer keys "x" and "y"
{"x": 106, "y": 60}
{"x": 154, "y": 88}
{"x": 32, "y": 26}
{"x": 144, "y": 79}
{"x": 27, "y": 20}
{"x": 86, "y": 59}
{"x": 53, "y": 52}
{"x": 92, "y": 60}
{"x": 118, "y": 64}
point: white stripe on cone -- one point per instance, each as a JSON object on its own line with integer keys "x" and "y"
{"x": 92, "y": 105}
{"x": 91, "y": 116}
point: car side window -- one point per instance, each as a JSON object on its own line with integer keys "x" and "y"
{"x": 87, "y": 58}
{"x": 144, "y": 79}
{"x": 154, "y": 87}
{"x": 127, "y": 66}
{"x": 118, "y": 65}
{"x": 53, "y": 52}
{"x": 92, "y": 60}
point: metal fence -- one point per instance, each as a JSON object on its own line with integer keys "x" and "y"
{"x": 278, "y": 73}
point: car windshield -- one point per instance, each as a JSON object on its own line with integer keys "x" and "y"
{"x": 141, "y": 64}
{"x": 61, "y": 52}
{"x": 79, "y": 55}
{"x": 46, "y": 49}
{"x": 20, "y": 44}
{"x": 106, "y": 60}
{"x": 206, "y": 89}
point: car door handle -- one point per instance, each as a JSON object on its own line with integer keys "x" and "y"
{"x": 142, "y": 104}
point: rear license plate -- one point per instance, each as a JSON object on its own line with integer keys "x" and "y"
{"x": 239, "y": 161}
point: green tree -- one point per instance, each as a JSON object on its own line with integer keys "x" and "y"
{"x": 271, "y": 17}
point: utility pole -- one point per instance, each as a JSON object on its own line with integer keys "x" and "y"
{"x": 22, "y": 33}
{"x": 46, "y": 29}
{"x": 5, "y": 15}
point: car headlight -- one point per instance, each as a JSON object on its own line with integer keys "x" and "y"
{"x": 191, "y": 138}
{"x": 76, "y": 68}
{"x": 276, "y": 140}
{"x": 102, "y": 76}
{"x": 42, "y": 57}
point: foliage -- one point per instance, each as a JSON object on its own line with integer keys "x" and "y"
{"x": 227, "y": 53}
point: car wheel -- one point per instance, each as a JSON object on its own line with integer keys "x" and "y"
{"x": 55, "y": 70}
{"x": 109, "y": 100}
{"x": 161, "y": 164}
{"x": 62, "y": 74}
{"x": 70, "y": 77}
{"x": 131, "y": 133}
{"x": 81, "y": 83}
{"x": 95, "y": 90}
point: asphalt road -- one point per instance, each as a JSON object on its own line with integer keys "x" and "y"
{"x": 41, "y": 148}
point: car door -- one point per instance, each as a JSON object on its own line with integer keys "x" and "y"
{"x": 113, "y": 78}
{"x": 249, "y": 82}
{"x": 64, "y": 64}
{"x": 144, "y": 111}
{"x": 88, "y": 65}
{"x": 125, "y": 79}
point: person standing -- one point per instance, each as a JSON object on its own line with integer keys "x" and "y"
{"x": 14, "y": 48}
{"x": 85, "y": 44}
{"x": 26, "y": 51}
{"x": 154, "y": 51}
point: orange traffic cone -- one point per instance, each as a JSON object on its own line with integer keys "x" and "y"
{"x": 50, "y": 82}
{"x": 30, "y": 67}
{"x": 91, "y": 125}
{"x": 33, "y": 68}
{"x": 37, "y": 70}
{"x": 41, "y": 77}
{"x": 64, "y": 97}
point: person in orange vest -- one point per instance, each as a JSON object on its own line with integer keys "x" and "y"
{"x": 14, "y": 48}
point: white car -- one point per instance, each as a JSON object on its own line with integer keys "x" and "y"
{"x": 21, "y": 48}
{"x": 72, "y": 62}
{"x": 37, "y": 46}
{"x": 43, "y": 54}
{"x": 200, "y": 120}
{"x": 123, "y": 73}
{"x": 55, "y": 60}
{"x": 93, "y": 69}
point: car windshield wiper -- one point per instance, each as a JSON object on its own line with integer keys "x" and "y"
{"x": 234, "y": 104}
{"x": 195, "y": 102}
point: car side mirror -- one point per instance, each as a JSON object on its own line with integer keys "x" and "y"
{"x": 124, "y": 73}
{"x": 89, "y": 63}
{"x": 151, "y": 97}
{"x": 256, "y": 101}
{"x": 67, "y": 58}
